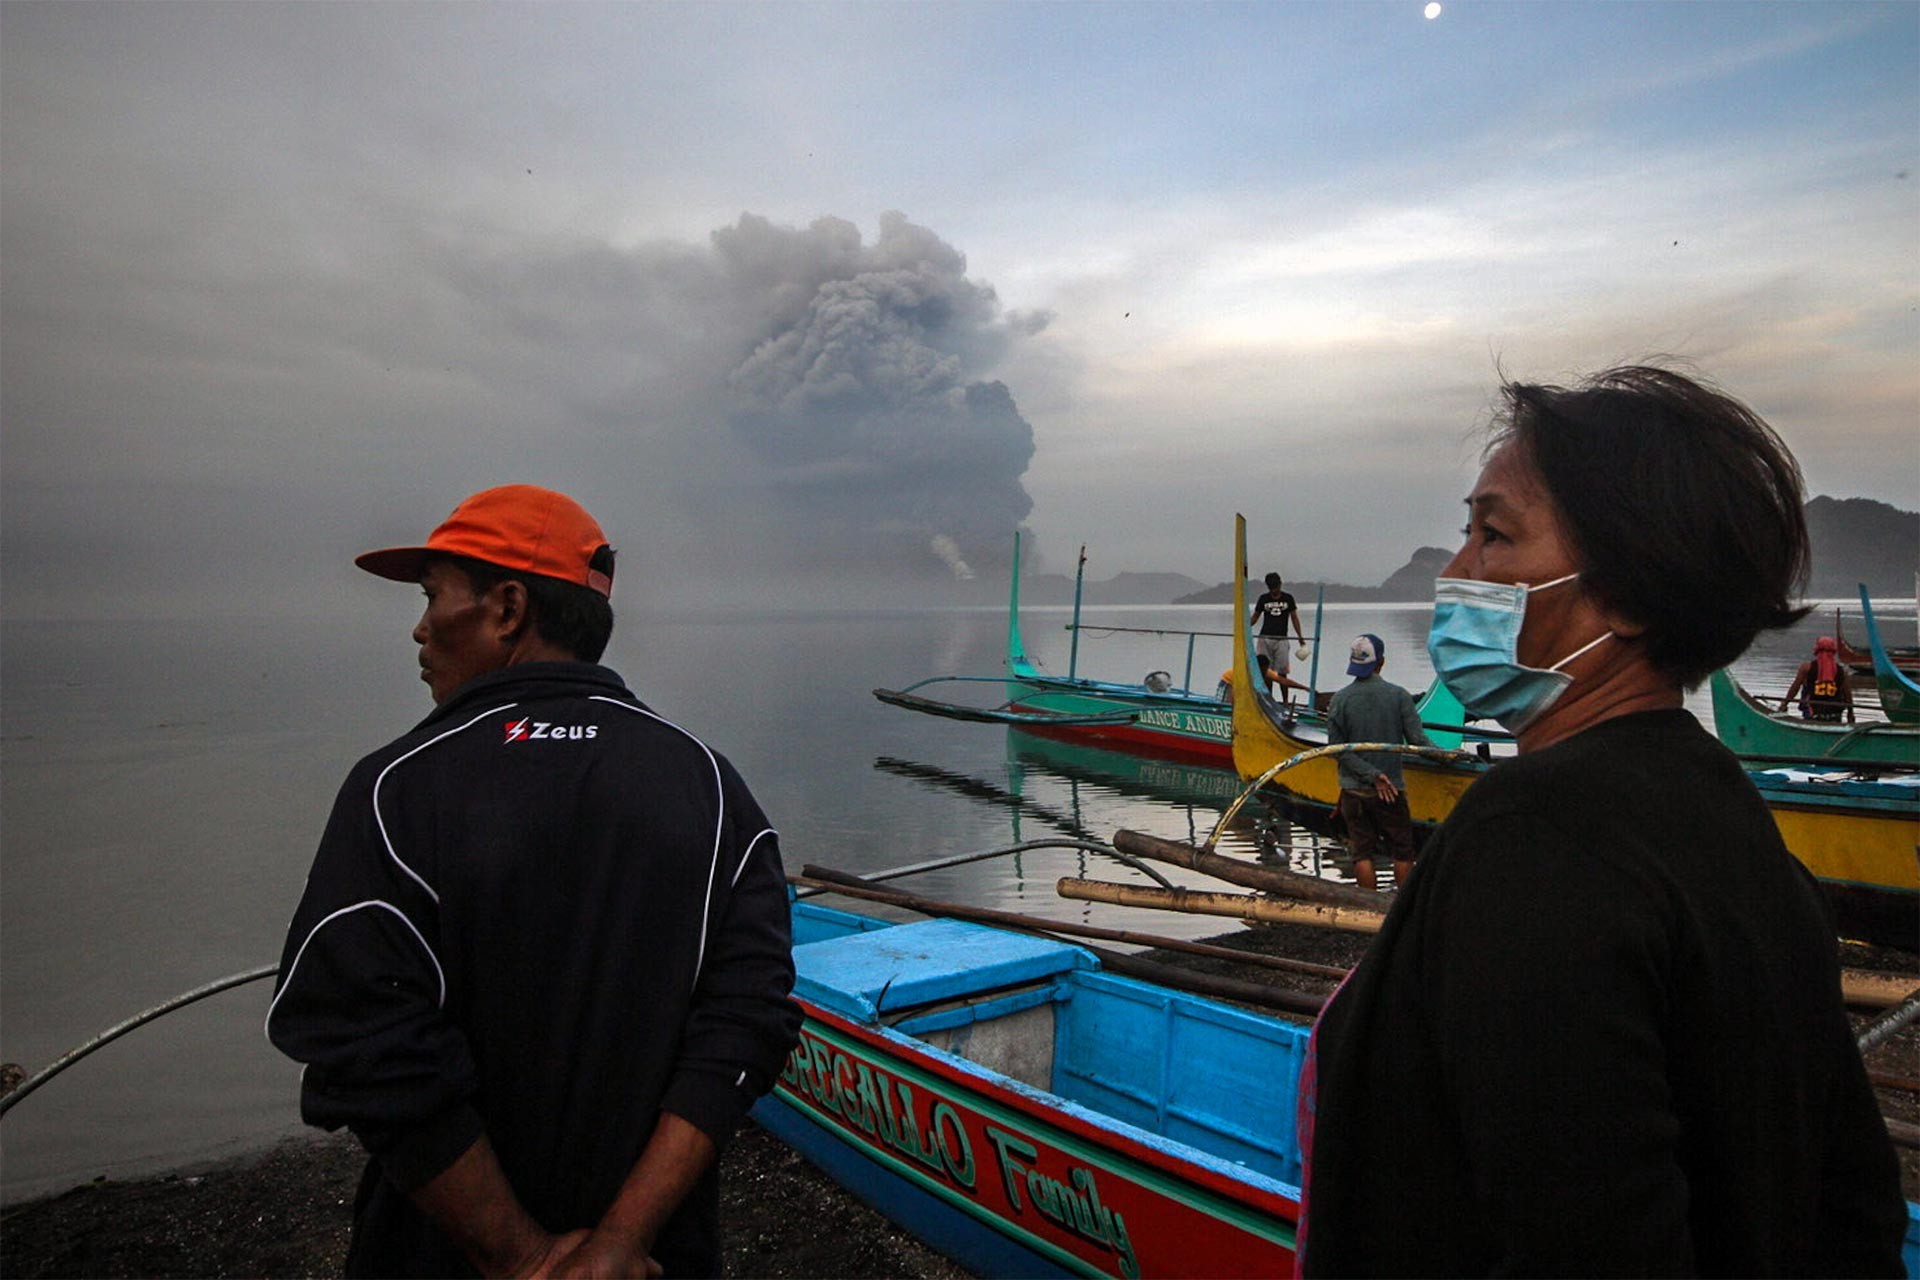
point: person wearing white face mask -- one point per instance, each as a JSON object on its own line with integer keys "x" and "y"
{"x": 1600, "y": 1031}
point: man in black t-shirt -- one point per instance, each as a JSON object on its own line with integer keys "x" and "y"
{"x": 1271, "y": 614}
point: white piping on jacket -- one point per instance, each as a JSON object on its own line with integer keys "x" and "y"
{"x": 382, "y": 822}
{"x": 287, "y": 983}
{"x": 720, "y": 822}
{"x": 748, "y": 855}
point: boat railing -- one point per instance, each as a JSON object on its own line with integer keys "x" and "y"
{"x": 1186, "y": 682}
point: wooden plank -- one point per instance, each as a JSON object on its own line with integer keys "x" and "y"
{"x": 1277, "y": 880}
{"x": 1242, "y": 906}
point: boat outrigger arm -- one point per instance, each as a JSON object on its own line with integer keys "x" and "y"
{"x": 1002, "y": 714}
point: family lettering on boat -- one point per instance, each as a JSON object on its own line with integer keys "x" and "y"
{"x": 1076, "y": 1207}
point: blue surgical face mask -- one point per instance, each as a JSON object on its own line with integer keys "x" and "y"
{"x": 1474, "y": 643}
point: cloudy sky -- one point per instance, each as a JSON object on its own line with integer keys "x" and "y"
{"x": 797, "y": 293}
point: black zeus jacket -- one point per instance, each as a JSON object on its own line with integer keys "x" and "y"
{"x": 546, "y": 914}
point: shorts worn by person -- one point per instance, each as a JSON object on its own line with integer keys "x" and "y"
{"x": 541, "y": 966}
{"x": 1373, "y": 798}
{"x": 1600, "y": 1031}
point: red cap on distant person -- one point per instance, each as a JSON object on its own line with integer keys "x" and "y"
{"x": 515, "y": 526}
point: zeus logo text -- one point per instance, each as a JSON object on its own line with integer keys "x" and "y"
{"x": 528, "y": 729}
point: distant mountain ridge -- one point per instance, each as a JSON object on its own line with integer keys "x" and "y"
{"x": 1412, "y": 581}
{"x": 1854, "y": 540}
{"x": 1122, "y": 588}
{"x": 1858, "y": 540}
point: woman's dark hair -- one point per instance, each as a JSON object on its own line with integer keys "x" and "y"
{"x": 1685, "y": 509}
{"x": 567, "y": 615}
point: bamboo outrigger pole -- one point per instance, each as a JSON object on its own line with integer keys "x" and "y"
{"x": 1251, "y": 875}
{"x": 1241, "y": 906}
{"x": 1440, "y": 754}
{"x": 827, "y": 880}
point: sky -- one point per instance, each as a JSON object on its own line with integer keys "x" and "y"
{"x": 816, "y": 303}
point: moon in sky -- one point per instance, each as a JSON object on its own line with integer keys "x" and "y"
{"x": 1432, "y": 10}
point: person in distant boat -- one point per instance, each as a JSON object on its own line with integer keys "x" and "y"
{"x": 1223, "y": 692}
{"x": 1373, "y": 799}
{"x": 1272, "y": 612}
{"x": 1600, "y": 1030}
{"x": 542, "y": 962}
{"x": 1823, "y": 685}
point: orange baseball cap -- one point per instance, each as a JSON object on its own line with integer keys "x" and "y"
{"x": 516, "y": 526}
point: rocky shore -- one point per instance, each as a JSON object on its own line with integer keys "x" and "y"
{"x": 284, "y": 1212}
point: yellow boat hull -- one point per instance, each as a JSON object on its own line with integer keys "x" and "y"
{"x": 1871, "y": 851}
{"x": 1259, "y": 743}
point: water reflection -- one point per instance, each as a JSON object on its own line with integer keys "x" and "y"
{"x": 1056, "y": 785}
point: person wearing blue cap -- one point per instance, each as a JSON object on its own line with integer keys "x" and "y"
{"x": 1372, "y": 799}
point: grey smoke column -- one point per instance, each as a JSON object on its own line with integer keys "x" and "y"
{"x": 863, "y": 394}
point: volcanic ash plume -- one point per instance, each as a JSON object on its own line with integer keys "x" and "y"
{"x": 949, "y": 551}
{"x": 863, "y": 396}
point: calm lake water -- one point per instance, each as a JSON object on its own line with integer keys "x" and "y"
{"x": 164, "y": 784}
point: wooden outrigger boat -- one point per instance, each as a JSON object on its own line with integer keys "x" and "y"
{"x": 1174, "y": 722}
{"x": 1860, "y": 839}
{"x": 1751, "y": 728}
{"x": 1899, "y": 690}
{"x": 1029, "y": 1114}
{"x": 1861, "y": 661}
{"x": 1857, "y": 836}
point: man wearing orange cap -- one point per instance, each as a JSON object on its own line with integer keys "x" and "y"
{"x": 542, "y": 963}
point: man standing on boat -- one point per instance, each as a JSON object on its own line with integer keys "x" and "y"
{"x": 542, "y": 963}
{"x": 1373, "y": 800}
{"x": 1271, "y": 613}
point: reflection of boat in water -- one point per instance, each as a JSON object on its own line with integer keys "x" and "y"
{"x": 1750, "y": 728}
{"x": 1168, "y": 780}
{"x": 1856, "y": 835}
{"x": 1028, "y": 1114}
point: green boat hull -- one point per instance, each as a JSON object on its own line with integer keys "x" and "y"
{"x": 1751, "y": 729}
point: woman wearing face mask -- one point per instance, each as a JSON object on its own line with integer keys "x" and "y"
{"x": 1601, "y": 1032}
